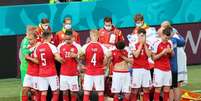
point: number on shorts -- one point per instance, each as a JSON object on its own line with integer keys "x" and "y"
{"x": 93, "y": 59}
{"x": 44, "y": 63}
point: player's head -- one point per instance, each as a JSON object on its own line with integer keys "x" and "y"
{"x": 67, "y": 23}
{"x": 44, "y": 23}
{"x": 139, "y": 20}
{"x": 120, "y": 45}
{"x": 94, "y": 35}
{"x": 31, "y": 35}
{"x": 108, "y": 23}
{"x": 68, "y": 36}
{"x": 47, "y": 36}
{"x": 165, "y": 24}
{"x": 166, "y": 33}
{"x": 141, "y": 33}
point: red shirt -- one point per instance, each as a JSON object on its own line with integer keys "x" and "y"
{"x": 142, "y": 60}
{"x": 61, "y": 34}
{"x": 94, "y": 57}
{"x": 116, "y": 56}
{"x": 39, "y": 33}
{"x": 163, "y": 63}
{"x": 69, "y": 67}
{"x": 110, "y": 37}
{"x": 32, "y": 67}
{"x": 45, "y": 53}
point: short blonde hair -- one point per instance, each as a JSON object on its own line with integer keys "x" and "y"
{"x": 94, "y": 34}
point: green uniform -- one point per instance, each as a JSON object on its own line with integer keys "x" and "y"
{"x": 23, "y": 52}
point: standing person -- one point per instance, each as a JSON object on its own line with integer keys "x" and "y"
{"x": 69, "y": 69}
{"x": 42, "y": 27}
{"x": 121, "y": 76}
{"x": 109, "y": 35}
{"x": 141, "y": 76}
{"x": 162, "y": 51}
{"x": 46, "y": 54}
{"x": 95, "y": 55}
{"x": 31, "y": 78}
{"x": 24, "y": 51}
{"x": 67, "y": 26}
{"x": 140, "y": 24}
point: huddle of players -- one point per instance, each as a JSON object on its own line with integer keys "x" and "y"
{"x": 97, "y": 56}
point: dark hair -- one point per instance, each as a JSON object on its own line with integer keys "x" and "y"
{"x": 107, "y": 19}
{"x": 138, "y": 17}
{"x": 44, "y": 21}
{"x": 167, "y": 31}
{"x": 69, "y": 32}
{"x": 46, "y": 34}
{"x": 141, "y": 30}
{"x": 67, "y": 18}
{"x": 120, "y": 45}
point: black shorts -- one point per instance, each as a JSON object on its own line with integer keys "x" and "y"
{"x": 174, "y": 80}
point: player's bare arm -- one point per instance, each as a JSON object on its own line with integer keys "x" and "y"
{"x": 157, "y": 56}
{"x": 58, "y": 58}
{"x": 34, "y": 60}
{"x": 147, "y": 50}
{"x": 136, "y": 53}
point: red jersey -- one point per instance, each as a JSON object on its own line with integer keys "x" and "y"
{"x": 110, "y": 37}
{"x": 69, "y": 67}
{"x": 142, "y": 60}
{"x": 163, "y": 63}
{"x": 45, "y": 53}
{"x": 116, "y": 56}
{"x": 33, "y": 68}
{"x": 94, "y": 57}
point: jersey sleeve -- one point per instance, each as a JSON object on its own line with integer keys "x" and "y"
{"x": 53, "y": 48}
{"x": 24, "y": 47}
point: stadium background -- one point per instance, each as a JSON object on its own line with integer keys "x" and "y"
{"x": 14, "y": 16}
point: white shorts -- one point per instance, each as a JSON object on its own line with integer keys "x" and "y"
{"x": 93, "y": 81}
{"x": 162, "y": 78}
{"x": 141, "y": 78}
{"x": 121, "y": 82}
{"x": 69, "y": 83}
{"x": 30, "y": 81}
{"x": 44, "y": 82}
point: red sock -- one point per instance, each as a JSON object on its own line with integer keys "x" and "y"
{"x": 133, "y": 97}
{"x": 116, "y": 98}
{"x": 73, "y": 98}
{"x": 156, "y": 96}
{"x": 146, "y": 97}
{"x": 24, "y": 98}
{"x": 55, "y": 97}
{"x": 100, "y": 97}
{"x": 37, "y": 96}
{"x": 125, "y": 99}
{"x": 65, "y": 98}
{"x": 43, "y": 97}
{"x": 86, "y": 98}
{"x": 165, "y": 96}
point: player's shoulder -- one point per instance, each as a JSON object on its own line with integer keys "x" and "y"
{"x": 60, "y": 45}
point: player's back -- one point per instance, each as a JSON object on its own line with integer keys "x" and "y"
{"x": 94, "y": 56}
{"x": 45, "y": 55}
